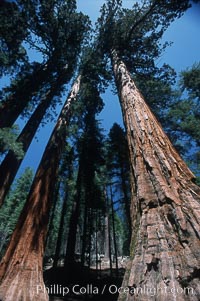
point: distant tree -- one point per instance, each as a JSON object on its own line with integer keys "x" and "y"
{"x": 118, "y": 165}
{"x": 14, "y": 203}
{"x": 67, "y": 174}
{"x": 88, "y": 193}
{"x": 184, "y": 114}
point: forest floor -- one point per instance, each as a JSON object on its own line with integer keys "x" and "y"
{"x": 83, "y": 283}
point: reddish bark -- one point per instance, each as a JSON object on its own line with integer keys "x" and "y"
{"x": 11, "y": 162}
{"x": 165, "y": 208}
{"x": 21, "y": 271}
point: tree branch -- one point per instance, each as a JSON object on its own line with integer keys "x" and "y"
{"x": 141, "y": 20}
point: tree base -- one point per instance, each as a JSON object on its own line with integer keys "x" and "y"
{"x": 26, "y": 285}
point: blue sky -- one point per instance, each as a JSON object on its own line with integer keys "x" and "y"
{"x": 184, "y": 52}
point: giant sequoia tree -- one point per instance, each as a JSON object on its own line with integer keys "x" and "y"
{"x": 165, "y": 201}
{"x": 165, "y": 205}
{"x": 21, "y": 266}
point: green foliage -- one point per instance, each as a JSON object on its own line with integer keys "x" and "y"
{"x": 8, "y": 138}
{"x": 91, "y": 155}
{"x": 56, "y": 30}
{"x": 13, "y": 205}
{"x": 184, "y": 113}
{"x": 136, "y": 33}
{"x": 117, "y": 150}
{"x": 118, "y": 169}
{"x": 157, "y": 89}
{"x": 190, "y": 81}
{"x": 13, "y": 31}
{"x": 121, "y": 236}
{"x": 183, "y": 116}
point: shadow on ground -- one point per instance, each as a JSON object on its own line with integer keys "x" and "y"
{"x": 82, "y": 283}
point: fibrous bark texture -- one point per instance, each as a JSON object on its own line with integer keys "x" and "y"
{"x": 165, "y": 207}
{"x": 21, "y": 271}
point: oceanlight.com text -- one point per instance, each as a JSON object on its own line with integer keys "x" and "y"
{"x": 112, "y": 289}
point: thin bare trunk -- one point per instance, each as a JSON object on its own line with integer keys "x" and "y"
{"x": 108, "y": 242}
{"x": 21, "y": 272}
{"x": 106, "y": 229}
{"x": 96, "y": 238}
{"x": 60, "y": 231}
{"x": 165, "y": 206}
{"x": 85, "y": 236}
{"x": 113, "y": 228}
{"x": 73, "y": 226}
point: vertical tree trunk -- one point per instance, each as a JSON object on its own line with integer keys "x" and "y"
{"x": 165, "y": 208}
{"x": 13, "y": 106}
{"x": 108, "y": 242}
{"x": 21, "y": 267}
{"x": 11, "y": 162}
{"x": 106, "y": 228}
{"x": 114, "y": 232}
{"x": 85, "y": 235}
{"x": 106, "y": 239}
{"x": 52, "y": 214}
{"x": 96, "y": 238}
{"x": 89, "y": 242}
{"x": 126, "y": 200}
{"x": 61, "y": 227}
{"x": 73, "y": 225}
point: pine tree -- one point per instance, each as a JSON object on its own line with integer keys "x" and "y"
{"x": 119, "y": 171}
{"x": 88, "y": 194}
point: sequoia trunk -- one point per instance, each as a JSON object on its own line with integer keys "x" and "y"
{"x": 11, "y": 162}
{"x": 21, "y": 267}
{"x": 165, "y": 207}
